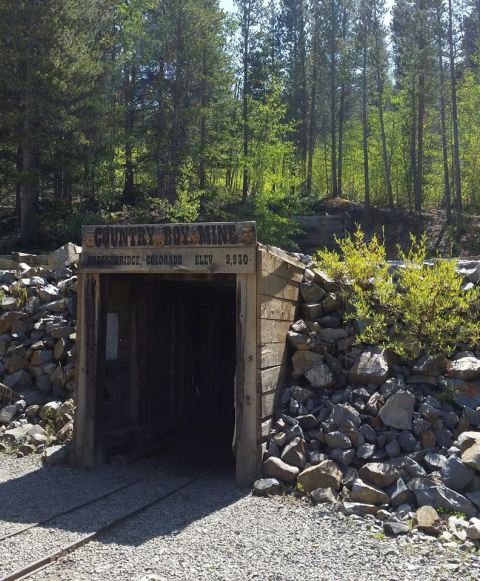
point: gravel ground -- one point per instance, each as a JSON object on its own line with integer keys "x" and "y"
{"x": 208, "y": 530}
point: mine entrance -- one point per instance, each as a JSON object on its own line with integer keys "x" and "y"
{"x": 169, "y": 369}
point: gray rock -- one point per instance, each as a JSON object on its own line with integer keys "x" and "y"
{"x": 368, "y": 433}
{"x": 472, "y": 416}
{"x": 337, "y": 440}
{"x": 48, "y": 411}
{"x": 311, "y": 292}
{"x": 331, "y": 303}
{"x": 391, "y": 386}
{"x": 56, "y": 455}
{"x": 19, "y": 380}
{"x": 344, "y": 412}
{"x": 332, "y": 335}
{"x": 473, "y": 529}
{"x": 266, "y": 486}
{"x": 327, "y": 474}
{"x": 276, "y": 468}
{"x": 342, "y": 456}
{"x": 455, "y": 474}
{"x": 294, "y": 453}
{"x": 392, "y": 449}
{"x": 398, "y": 410}
{"x": 407, "y": 441}
{"x": 308, "y": 422}
{"x": 427, "y": 520}
{"x": 434, "y": 461}
{"x": 302, "y": 361}
{"x": 8, "y": 413}
{"x": 430, "y": 493}
{"x": 393, "y": 528}
{"x": 465, "y": 366}
{"x": 311, "y": 311}
{"x": 359, "y": 508}
{"x": 379, "y": 473}
{"x": 466, "y": 393}
{"x": 399, "y": 493}
{"x": 471, "y": 456}
{"x": 16, "y": 435}
{"x": 324, "y": 495}
{"x": 371, "y": 367}
{"x": 320, "y": 375}
{"x": 368, "y": 494}
{"x": 365, "y": 451}
{"x": 296, "y": 340}
{"x": 430, "y": 365}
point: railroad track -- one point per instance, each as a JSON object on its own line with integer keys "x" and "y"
{"x": 54, "y": 555}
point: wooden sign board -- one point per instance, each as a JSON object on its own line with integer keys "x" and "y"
{"x": 213, "y": 247}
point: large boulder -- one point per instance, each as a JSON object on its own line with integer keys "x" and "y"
{"x": 324, "y": 475}
{"x": 466, "y": 393}
{"x": 398, "y": 410}
{"x": 370, "y": 367}
{"x": 430, "y": 493}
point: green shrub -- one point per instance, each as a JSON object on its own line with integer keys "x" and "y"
{"x": 419, "y": 308}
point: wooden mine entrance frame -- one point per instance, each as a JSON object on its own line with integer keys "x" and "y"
{"x": 267, "y": 288}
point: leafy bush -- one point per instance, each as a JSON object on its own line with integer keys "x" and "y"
{"x": 418, "y": 308}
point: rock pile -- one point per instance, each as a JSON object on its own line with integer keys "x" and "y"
{"x": 379, "y": 434}
{"x": 37, "y": 348}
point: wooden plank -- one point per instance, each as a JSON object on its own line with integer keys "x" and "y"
{"x": 272, "y": 354}
{"x": 137, "y": 236}
{"x": 265, "y": 428}
{"x": 271, "y": 379}
{"x": 85, "y": 392}
{"x": 270, "y": 264}
{"x": 246, "y": 402}
{"x": 274, "y": 308}
{"x": 277, "y": 286}
{"x": 271, "y": 331}
{"x": 282, "y": 254}
{"x": 267, "y": 404}
{"x": 170, "y": 260}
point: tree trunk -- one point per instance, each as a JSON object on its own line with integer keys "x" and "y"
{"x": 443, "y": 124}
{"x": 246, "y": 58}
{"x": 29, "y": 188}
{"x": 457, "y": 178}
{"x": 381, "y": 115}
{"x": 129, "y": 178}
{"x": 418, "y": 189}
{"x": 333, "y": 98}
{"x": 313, "y": 129}
{"x": 341, "y": 126}
{"x": 365, "y": 127}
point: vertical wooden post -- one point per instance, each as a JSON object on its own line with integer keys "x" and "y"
{"x": 87, "y": 363}
{"x": 246, "y": 416}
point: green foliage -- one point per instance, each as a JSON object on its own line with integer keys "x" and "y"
{"x": 419, "y": 308}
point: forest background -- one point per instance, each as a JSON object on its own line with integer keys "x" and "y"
{"x": 181, "y": 110}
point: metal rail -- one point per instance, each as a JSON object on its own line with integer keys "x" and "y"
{"x": 83, "y": 504}
{"x": 51, "y": 558}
